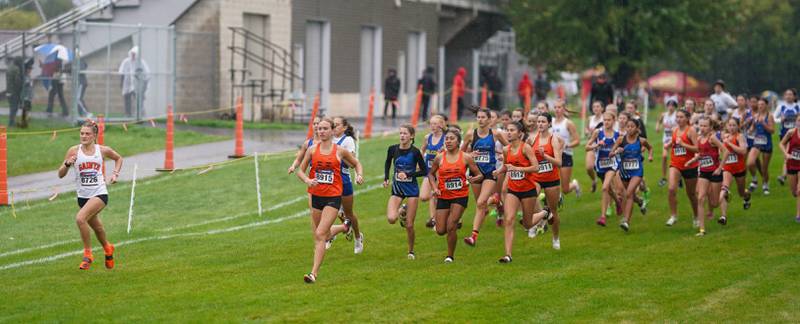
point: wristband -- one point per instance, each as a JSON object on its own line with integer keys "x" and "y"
{"x": 67, "y": 164}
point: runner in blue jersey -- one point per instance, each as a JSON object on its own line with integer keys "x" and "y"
{"x": 605, "y": 165}
{"x": 631, "y": 168}
{"x": 433, "y": 145}
{"x": 763, "y": 126}
{"x": 787, "y": 111}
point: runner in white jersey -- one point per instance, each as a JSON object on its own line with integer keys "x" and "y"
{"x": 566, "y": 130}
{"x": 595, "y": 122}
{"x": 666, "y": 123}
{"x": 87, "y": 160}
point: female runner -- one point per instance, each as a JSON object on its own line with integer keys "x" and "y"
{"x": 733, "y": 167}
{"x": 344, "y": 137}
{"x": 432, "y": 146}
{"x": 763, "y": 126}
{"x": 710, "y": 149}
{"x": 629, "y": 150}
{"x": 682, "y": 148}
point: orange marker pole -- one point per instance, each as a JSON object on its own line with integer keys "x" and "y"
{"x": 101, "y": 130}
{"x": 527, "y": 100}
{"x": 454, "y": 103}
{"x": 484, "y": 96}
{"x": 417, "y": 104}
{"x": 169, "y": 163}
{"x": 370, "y": 112}
{"x": 314, "y": 112}
{"x": 562, "y": 94}
{"x": 239, "y": 141}
{"x": 3, "y": 168}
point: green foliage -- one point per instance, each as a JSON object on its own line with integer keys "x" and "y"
{"x": 18, "y": 20}
{"x": 622, "y": 35}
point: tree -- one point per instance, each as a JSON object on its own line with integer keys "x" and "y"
{"x": 623, "y": 35}
{"x": 19, "y": 20}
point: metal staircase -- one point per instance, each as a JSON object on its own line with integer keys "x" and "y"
{"x": 272, "y": 93}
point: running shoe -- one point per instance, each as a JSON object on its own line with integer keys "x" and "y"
{"x": 505, "y": 259}
{"x": 672, "y": 220}
{"x": 594, "y": 186}
{"x": 601, "y": 221}
{"x": 402, "y": 212}
{"x": 722, "y": 220}
{"x": 765, "y": 190}
{"x": 746, "y": 205}
{"x": 702, "y": 232}
{"x": 662, "y": 182}
{"x": 448, "y": 259}
{"x": 109, "y": 254}
{"x": 624, "y": 226}
{"x": 782, "y": 180}
{"x": 577, "y": 188}
{"x": 643, "y": 208}
{"x": 329, "y": 243}
{"x": 469, "y": 240}
{"x": 431, "y": 223}
{"x": 309, "y": 278}
{"x": 411, "y": 255}
{"x": 86, "y": 262}
{"x": 533, "y": 231}
{"x": 752, "y": 186}
{"x": 358, "y": 244}
{"x": 556, "y": 244}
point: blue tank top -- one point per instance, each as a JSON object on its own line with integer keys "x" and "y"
{"x": 405, "y": 163}
{"x": 632, "y": 158}
{"x": 345, "y": 167}
{"x": 483, "y": 151}
{"x": 432, "y": 150}
{"x": 603, "y": 162}
{"x": 762, "y": 137}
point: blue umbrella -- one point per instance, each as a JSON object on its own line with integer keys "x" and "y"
{"x": 52, "y": 52}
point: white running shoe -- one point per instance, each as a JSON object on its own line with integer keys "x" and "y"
{"x": 411, "y": 256}
{"x": 448, "y": 259}
{"x": 532, "y": 232}
{"x": 672, "y": 220}
{"x": 556, "y": 244}
{"x": 577, "y": 188}
{"x": 358, "y": 244}
{"x": 328, "y": 244}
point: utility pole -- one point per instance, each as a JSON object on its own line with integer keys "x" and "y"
{"x": 40, "y": 11}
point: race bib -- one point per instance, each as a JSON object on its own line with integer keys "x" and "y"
{"x": 788, "y": 124}
{"x": 453, "y": 184}
{"x": 324, "y": 176}
{"x": 605, "y": 163}
{"x": 796, "y": 154}
{"x": 89, "y": 178}
{"x": 346, "y": 171}
{"x": 430, "y": 164}
{"x": 407, "y": 179}
{"x": 481, "y": 157}
{"x": 516, "y": 175}
{"x": 630, "y": 164}
{"x": 706, "y": 162}
{"x": 679, "y": 150}
{"x": 668, "y": 133}
{"x": 731, "y": 159}
{"x": 545, "y": 167}
{"x": 760, "y": 140}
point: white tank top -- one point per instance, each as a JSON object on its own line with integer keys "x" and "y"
{"x": 593, "y": 122}
{"x": 669, "y": 123}
{"x": 89, "y": 174}
{"x": 560, "y": 130}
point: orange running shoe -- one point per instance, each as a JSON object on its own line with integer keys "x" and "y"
{"x": 109, "y": 251}
{"x": 86, "y": 263}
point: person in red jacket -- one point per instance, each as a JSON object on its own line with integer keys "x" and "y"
{"x": 524, "y": 89}
{"x": 459, "y": 85}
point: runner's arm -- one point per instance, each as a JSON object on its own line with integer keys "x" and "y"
{"x": 69, "y": 160}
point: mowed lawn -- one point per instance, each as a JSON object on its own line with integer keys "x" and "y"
{"x": 35, "y": 150}
{"x": 199, "y": 251}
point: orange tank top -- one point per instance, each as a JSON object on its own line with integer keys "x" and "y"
{"x": 519, "y": 181}
{"x": 679, "y": 154}
{"x": 453, "y": 178}
{"x": 327, "y": 170}
{"x": 734, "y": 163}
{"x": 548, "y": 172}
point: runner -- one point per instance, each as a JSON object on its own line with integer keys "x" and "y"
{"x": 303, "y": 147}
{"x": 498, "y": 199}
{"x": 763, "y": 126}
{"x": 517, "y": 115}
{"x": 710, "y": 149}
{"x": 629, "y": 150}
{"x": 344, "y": 137}
{"x": 324, "y": 183}
{"x": 565, "y": 130}
{"x": 682, "y": 149}
{"x": 595, "y": 120}
{"x": 548, "y": 149}
{"x": 665, "y": 123}
{"x": 408, "y": 165}
{"x": 448, "y": 176}
{"x": 87, "y": 158}
{"x": 521, "y": 166}
{"x": 786, "y": 112}
{"x": 480, "y": 143}
{"x": 733, "y": 167}
{"x": 601, "y": 142}
{"x": 790, "y": 146}
{"x": 432, "y": 146}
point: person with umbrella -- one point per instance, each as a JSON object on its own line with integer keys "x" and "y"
{"x": 135, "y": 77}
{"x": 55, "y": 56}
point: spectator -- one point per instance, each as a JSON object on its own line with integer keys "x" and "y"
{"x": 27, "y": 93}
{"x": 495, "y": 87}
{"x": 391, "y": 89}
{"x": 13, "y": 87}
{"x": 542, "y": 87}
{"x": 135, "y": 77}
{"x": 458, "y": 86}
{"x": 602, "y": 90}
{"x": 723, "y": 102}
{"x": 524, "y": 89}
{"x": 57, "y": 78}
{"x": 428, "y": 84}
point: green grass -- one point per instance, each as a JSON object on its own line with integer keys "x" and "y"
{"x": 37, "y": 153}
{"x": 219, "y": 123}
{"x": 744, "y": 272}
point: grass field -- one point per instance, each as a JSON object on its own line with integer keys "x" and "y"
{"x": 37, "y": 153}
{"x": 199, "y": 251}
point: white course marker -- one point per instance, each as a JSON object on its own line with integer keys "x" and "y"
{"x": 133, "y": 195}
{"x": 258, "y": 183}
